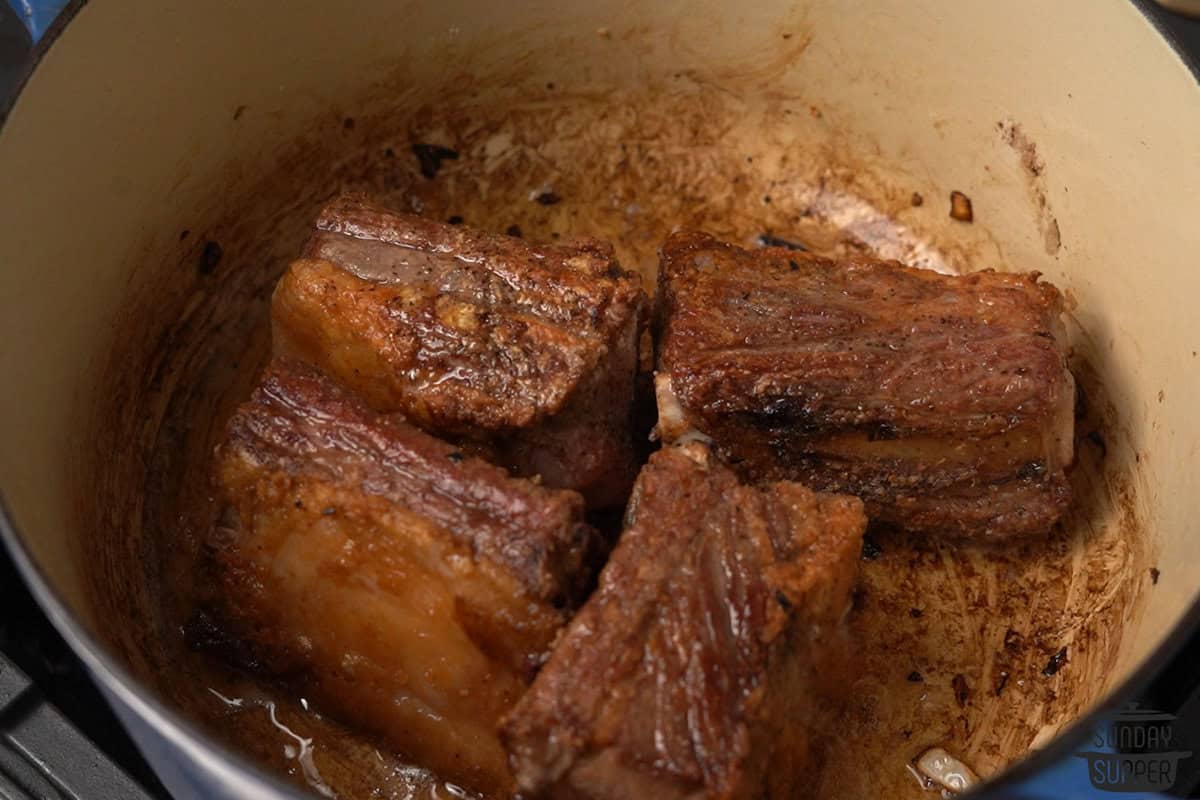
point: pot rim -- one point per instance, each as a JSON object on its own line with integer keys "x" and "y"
{"x": 190, "y": 738}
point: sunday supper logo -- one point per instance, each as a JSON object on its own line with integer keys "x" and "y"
{"x": 1132, "y": 752}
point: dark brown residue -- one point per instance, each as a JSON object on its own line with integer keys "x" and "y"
{"x": 1056, "y": 662}
{"x": 187, "y": 353}
{"x": 960, "y": 207}
{"x": 1034, "y": 167}
{"x": 962, "y": 692}
{"x": 782, "y": 599}
{"x": 210, "y": 257}
{"x": 1096, "y": 439}
{"x": 770, "y": 240}
{"x": 431, "y": 156}
{"x": 871, "y": 549}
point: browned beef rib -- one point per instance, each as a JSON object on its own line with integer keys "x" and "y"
{"x": 402, "y": 585}
{"x": 944, "y": 402}
{"x": 689, "y": 672}
{"x": 526, "y": 353}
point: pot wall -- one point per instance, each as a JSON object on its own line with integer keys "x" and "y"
{"x": 1071, "y": 126}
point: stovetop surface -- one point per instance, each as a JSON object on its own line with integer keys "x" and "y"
{"x": 56, "y": 678}
{"x": 48, "y": 676}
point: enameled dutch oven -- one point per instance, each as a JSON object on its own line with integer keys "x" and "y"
{"x": 162, "y": 160}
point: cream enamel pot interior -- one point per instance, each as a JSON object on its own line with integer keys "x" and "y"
{"x": 162, "y": 161}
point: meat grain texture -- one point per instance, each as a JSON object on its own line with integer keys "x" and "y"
{"x": 629, "y": 178}
{"x": 692, "y": 671}
{"x": 401, "y": 585}
{"x": 944, "y": 402}
{"x": 523, "y": 353}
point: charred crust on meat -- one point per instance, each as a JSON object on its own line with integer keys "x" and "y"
{"x": 871, "y": 549}
{"x": 809, "y": 369}
{"x": 782, "y": 599}
{"x": 387, "y": 505}
{"x": 882, "y": 432}
{"x": 368, "y": 304}
{"x": 700, "y": 597}
{"x": 1032, "y": 471}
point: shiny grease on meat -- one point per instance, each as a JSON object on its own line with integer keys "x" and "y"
{"x": 406, "y": 587}
{"x": 944, "y": 402}
{"x": 692, "y": 669}
{"x": 525, "y": 353}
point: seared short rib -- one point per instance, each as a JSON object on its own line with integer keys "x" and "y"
{"x": 527, "y": 354}
{"x": 690, "y": 672}
{"x": 944, "y": 402}
{"x": 403, "y": 586}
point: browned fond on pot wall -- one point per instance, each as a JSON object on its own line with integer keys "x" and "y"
{"x": 626, "y": 133}
{"x": 931, "y": 618}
